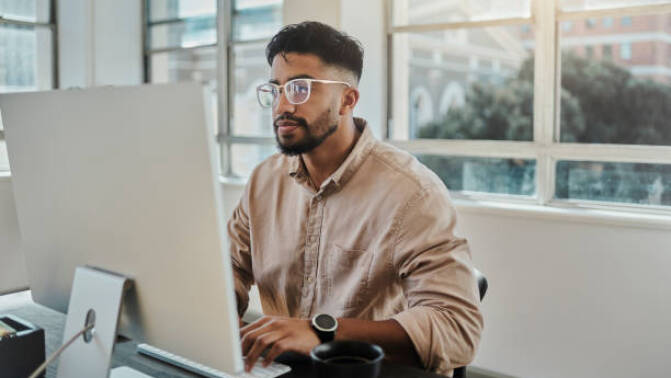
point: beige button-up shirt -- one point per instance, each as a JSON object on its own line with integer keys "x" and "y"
{"x": 375, "y": 242}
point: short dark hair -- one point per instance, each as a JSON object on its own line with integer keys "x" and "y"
{"x": 311, "y": 37}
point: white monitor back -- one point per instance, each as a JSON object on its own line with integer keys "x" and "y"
{"x": 125, "y": 179}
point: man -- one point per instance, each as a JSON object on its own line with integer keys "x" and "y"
{"x": 343, "y": 225}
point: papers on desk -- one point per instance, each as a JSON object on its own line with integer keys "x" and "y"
{"x": 6, "y": 330}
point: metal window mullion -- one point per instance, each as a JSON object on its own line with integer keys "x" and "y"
{"x": 224, "y": 31}
{"x": 179, "y": 48}
{"x": 176, "y": 20}
{"x": 611, "y": 153}
{"x": 621, "y": 11}
{"x": 146, "y": 61}
{"x": 245, "y": 42}
{"x": 53, "y": 20}
{"x": 422, "y": 28}
{"x": 9, "y": 21}
{"x": 544, "y": 96}
{"x": 470, "y": 148}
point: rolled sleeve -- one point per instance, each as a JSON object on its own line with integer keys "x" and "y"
{"x": 443, "y": 318}
{"x": 240, "y": 251}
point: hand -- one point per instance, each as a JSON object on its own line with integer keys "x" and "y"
{"x": 278, "y": 335}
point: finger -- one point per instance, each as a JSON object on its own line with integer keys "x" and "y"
{"x": 262, "y": 343}
{"x": 252, "y": 326}
{"x": 278, "y": 348}
{"x": 250, "y": 337}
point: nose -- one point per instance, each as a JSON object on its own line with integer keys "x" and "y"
{"x": 282, "y": 105}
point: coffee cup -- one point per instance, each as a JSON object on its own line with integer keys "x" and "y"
{"x": 344, "y": 358}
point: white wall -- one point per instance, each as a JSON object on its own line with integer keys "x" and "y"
{"x": 572, "y": 299}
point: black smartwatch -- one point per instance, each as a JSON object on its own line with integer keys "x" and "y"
{"x": 325, "y": 326}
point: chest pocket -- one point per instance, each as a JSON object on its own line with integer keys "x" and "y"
{"x": 346, "y": 274}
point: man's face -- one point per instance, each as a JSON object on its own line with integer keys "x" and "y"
{"x": 301, "y": 128}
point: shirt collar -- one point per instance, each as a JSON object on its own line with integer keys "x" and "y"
{"x": 351, "y": 164}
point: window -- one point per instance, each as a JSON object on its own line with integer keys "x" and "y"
{"x": 184, "y": 42}
{"x": 625, "y": 51}
{"x": 27, "y": 52}
{"x": 607, "y": 52}
{"x": 608, "y": 22}
{"x": 556, "y": 123}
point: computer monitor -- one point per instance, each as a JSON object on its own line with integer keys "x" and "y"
{"x": 125, "y": 179}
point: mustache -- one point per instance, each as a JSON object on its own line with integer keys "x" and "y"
{"x": 288, "y": 117}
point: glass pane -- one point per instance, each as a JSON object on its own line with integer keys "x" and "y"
{"x": 247, "y": 156}
{"x": 185, "y": 33}
{"x": 198, "y": 65}
{"x": 185, "y": 65}
{"x": 251, "y": 70}
{"x": 409, "y": 12}
{"x": 25, "y": 10}
{"x": 574, "y": 5}
{"x": 489, "y": 175}
{"x": 25, "y": 58}
{"x": 256, "y": 19}
{"x": 171, "y": 9}
{"x": 464, "y": 84}
{"x": 646, "y": 184}
{"x": 616, "y": 80}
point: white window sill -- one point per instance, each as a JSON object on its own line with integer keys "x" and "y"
{"x": 581, "y": 214}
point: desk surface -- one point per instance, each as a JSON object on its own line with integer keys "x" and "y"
{"x": 125, "y": 355}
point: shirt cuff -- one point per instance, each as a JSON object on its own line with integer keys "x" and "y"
{"x": 418, "y": 324}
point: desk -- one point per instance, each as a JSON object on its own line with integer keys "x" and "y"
{"x": 53, "y": 323}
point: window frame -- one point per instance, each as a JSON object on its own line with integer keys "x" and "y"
{"x": 546, "y": 149}
{"x": 52, "y": 25}
{"x": 225, "y": 47}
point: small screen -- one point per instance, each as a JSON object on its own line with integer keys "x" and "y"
{"x": 325, "y": 321}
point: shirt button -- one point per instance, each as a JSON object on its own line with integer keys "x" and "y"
{"x": 309, "y": 279}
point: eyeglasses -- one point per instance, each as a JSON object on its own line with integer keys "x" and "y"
{"x": 297, "y": 91}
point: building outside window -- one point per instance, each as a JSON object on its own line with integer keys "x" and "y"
{"x": 625, "y": 51}
{"x": 597, "y": 135}
{"x": 27, "y": 52}
{"x": 608, "y": 22}
{"x": 607, "y": 52}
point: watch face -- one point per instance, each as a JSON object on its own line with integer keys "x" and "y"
{"x": 325, "y": 322}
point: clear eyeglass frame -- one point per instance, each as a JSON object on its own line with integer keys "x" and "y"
{"x": 297, "y": 91}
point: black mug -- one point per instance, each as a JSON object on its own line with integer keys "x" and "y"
{"x": 351, "y": 359}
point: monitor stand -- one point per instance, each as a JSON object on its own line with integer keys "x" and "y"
{"x": 96, "y": 299}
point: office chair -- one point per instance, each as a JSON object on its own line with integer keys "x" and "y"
{"x": 460, "y": 372}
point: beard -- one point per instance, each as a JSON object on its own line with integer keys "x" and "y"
{"x": 315, "y": 134}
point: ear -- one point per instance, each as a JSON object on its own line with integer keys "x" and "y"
{"x": 349, "y": 99}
